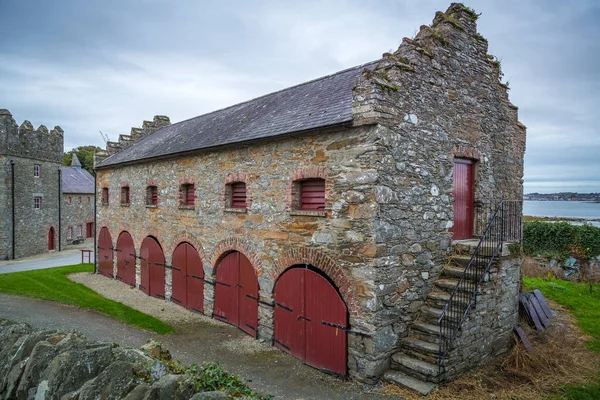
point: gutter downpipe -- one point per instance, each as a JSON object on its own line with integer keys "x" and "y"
{"x": 12, "y": 172}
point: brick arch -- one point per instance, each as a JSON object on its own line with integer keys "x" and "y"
{"x": 156, "y": 234}
{"x": 191, "y": 239}
{"x": 322, "y": 262}
{"x": 122, "y": 229}
{"x": 236, "y": 244}
{"x": 106, "y": 225}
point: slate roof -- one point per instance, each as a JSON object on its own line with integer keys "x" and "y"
{"x": 77, "y": 180}
{"x": 319, "y": 103}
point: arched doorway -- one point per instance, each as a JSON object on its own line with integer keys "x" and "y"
{"x": 236, "y": 293}
{"x": 152, "y": 268}
{"x": 51, "y": 238}
{"x": 188, "y": 275}
{"x": 125, "y": 259}
{"x": 310, "y": 319}
{"x": 105, "y": 253}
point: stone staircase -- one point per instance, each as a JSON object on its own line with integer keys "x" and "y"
{"x": 415, "y": 366}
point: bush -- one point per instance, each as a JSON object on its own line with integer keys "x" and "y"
{"x": 554, "y": 239}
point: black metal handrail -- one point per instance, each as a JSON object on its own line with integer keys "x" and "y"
{"x": 504, "y": 224}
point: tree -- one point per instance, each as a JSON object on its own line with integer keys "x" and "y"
{"x": 85, "y": 155}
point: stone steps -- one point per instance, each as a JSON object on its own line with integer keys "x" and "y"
{"x": 414, "y": 367}
{"x": 438, "y": 299}
{"x": 409, "y": 382}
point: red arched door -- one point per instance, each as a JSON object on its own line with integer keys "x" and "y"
{"x": 309, "y": 313}
{"x": 105, "y": 253}
{"x": 51, "y": 238}
{"x": 236, "y": 293}
{"x": 152, "y": 268}
{"x": 188, "y": 275}
{"x": 464, "y": 197}
{"x": 125, "y": 259}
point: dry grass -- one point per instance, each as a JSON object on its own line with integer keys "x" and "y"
{"x": 540, "y": 268}
{"x": 559, "y": 358}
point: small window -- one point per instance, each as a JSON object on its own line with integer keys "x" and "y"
{"x": 37, "y": 202}
{"x": 79, "y": 200}
{"x": 89, "y": 199}
{"x": 312, "y": 195}
{"x": 69, "y": 233}
{"x": 125, "y": 195}
{"x": 238, "y": 195}
{"x": 105, "y": 196}
{"x": 69, "y": 199}
{"x": 151, "y": 195}
{"x": 36, "y": 170}
{"x": 79, "y": 231}
{"x": 187, "y": 194}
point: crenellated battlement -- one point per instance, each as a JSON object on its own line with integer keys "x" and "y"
{"x": 136, "y": 134}
{"x": 28, "y": 142}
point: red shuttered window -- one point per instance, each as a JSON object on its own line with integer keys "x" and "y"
{"x": 187, "y": 194}
{"x": 312, "y": 194}
{"x": 151, "y": 195}
{"x": 238, "y": 195}
{"x": 125, "y": 195}
{"x": 105, "y": 196}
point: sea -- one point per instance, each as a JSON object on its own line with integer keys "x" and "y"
{"x": 587, "y": 212}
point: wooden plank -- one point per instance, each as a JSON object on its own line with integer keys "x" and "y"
{"x": 531, "y": 314}
{"x": 538, "y": 309}
{"x": 542, "y": 300}
{"x": 523, "y": 338}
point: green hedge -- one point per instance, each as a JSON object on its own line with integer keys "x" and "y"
{"x": 553, "y": 239}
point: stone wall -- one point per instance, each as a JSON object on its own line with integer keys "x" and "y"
{"x": 488, "y": 330}
{"x": 79, "y": 212}
{"x": 5, "y": 209}
{"x": 28, "y": 147}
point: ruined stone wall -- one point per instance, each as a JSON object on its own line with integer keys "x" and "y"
{"x": 274, "y": 237}
{"x": 439, "y": 96}
{"x": 79, "y": 212}
{"x": 28, "y": 147}
{"x": 5, "y": 209}
{"x": 488, "y": 330}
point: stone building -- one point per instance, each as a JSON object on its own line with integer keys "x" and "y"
{"x": 321, "y": 218}
{"x": 31, "y": 171}
{"x": 78, "y": 203}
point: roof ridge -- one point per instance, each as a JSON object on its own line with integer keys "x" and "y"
{"x": 275, "y": 92}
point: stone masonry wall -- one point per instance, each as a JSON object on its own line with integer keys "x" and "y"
{"x": 439, "y": 96}
{"x": 27, "y": 147}
{"x": 5, "y": 209}
{"x": 340, "y": 242}
{"x": 488, "y": 330}
{"x": 79, "y": 212}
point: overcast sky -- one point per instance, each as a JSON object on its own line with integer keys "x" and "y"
{"x": 107, "y": 65}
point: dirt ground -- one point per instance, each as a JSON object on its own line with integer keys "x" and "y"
{"x": 198, "y": 339}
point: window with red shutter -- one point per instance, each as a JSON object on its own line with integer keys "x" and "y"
{"x": 125, "y": 195}
{"x": 238, "y": 195}
{"x": 105, "y": 196}
{"x": 187, "y": 194}
{"x": 312, "y": 195}
{"x": 151, "y": 195}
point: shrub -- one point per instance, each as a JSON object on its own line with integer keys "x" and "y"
{"x": 556, "y": 239}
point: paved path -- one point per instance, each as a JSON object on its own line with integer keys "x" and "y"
{"x": 47, "y": 260}
{"x": 270, "y": 372}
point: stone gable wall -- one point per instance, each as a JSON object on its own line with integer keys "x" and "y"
{"x": 76, "y": 214}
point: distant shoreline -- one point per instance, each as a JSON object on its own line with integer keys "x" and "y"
{"x": 529, "y": 218}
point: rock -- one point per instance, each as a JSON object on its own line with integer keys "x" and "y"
{"x": 158, "y": 370}
{"x": 69, "y": 370}
{"x": 209, "y": 396}
{"x": 155, "y": 349}
{"x": 167, "y": 388}
{"x": 139, "y": 392}
{"x": 12, "y": 380}
{"x": 115, "y": 382}
{"x": 19, "y": 351}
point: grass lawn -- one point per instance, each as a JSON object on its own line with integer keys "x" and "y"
{"x": 586, "y": 307}
{"x": 52, "y": 284}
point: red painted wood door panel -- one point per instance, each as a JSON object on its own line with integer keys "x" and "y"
{"x": 236, "y": 293}
{"x": 290, "y": 330}
{"x": 306, "y": 330}
{"x": 464, "y": 197}
{"x": 188, "y": 287}
{"x": 105, "y": 253}
{"x": 51, "y": 238}
{"x": 125, "y": 259}
{"x": 152, "y": 268}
